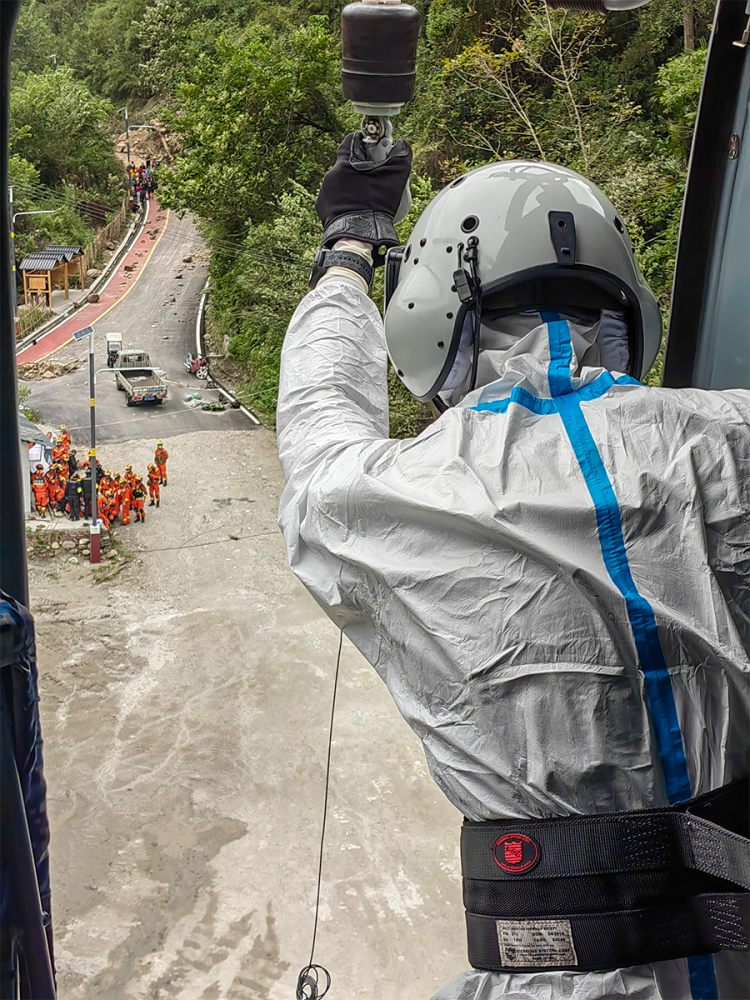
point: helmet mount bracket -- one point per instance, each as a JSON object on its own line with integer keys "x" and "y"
{"x": 562, "y": 231}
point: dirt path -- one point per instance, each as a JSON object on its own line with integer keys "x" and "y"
{"x": 185, "y": 706}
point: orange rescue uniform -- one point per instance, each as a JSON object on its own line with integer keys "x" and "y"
{"x": 126, "y": 499}
{"x": 153, "y": 486}
{"x": 160, "y": 458}
{"x": 41, "y": 493}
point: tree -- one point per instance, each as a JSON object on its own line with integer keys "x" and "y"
{"x": 258, "y": 113}
{"x": 61, "y": 128}
{"x": 525, "y": 89}
{"x": 109, "y": 51}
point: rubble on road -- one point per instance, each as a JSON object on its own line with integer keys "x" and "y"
{"x": 32, "y": 371}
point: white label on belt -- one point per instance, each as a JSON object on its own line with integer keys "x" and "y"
{"x": 536, "y": 943}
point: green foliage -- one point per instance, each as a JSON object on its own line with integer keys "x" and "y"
{"x": 252, "y": 94}
{"x": 60, "y": 127}
{"x": 23, "y": 394}
{"x": 34, "y": 40}
{"x": 33, "y": 232}
{"x": 259, "y": 113}
{"x": 677, "y": 92}
{"x": 255, "y": 292}
{"x": 107, "y": 50}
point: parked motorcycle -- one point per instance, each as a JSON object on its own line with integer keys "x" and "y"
{"x": 197, "y": 365}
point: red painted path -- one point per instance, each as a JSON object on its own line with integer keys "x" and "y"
{"x": 116, "y": 288}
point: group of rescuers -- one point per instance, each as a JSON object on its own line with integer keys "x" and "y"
{"x": 552, "y": 579}
{"x": 63, "y": 490}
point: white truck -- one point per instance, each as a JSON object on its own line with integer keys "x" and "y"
{"x": 137, "y": 377}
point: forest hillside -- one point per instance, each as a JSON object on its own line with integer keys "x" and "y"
{"x": 250, "y": 91}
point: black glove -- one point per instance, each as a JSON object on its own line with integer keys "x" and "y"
{"x": 359, "y": 198}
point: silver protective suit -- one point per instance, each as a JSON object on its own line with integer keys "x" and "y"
{"x": 503, "y": 570}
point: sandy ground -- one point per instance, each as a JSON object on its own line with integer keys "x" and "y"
{"x": 185, "y": 707}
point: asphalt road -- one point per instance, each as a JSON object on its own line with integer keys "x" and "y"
{"x": 158, "y": 314}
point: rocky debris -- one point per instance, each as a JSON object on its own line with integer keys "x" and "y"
{"x": 32, "y": 371}
{"x": 171, "y": 299}
{"x": 131, "y": 267}
{"x": 187, "y": 259}
{"x": 110, "y": 245}
{"x": 92, "y": 297}
{"x": 93, "y": 272}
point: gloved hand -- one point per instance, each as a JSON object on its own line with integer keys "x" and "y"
{"x": 359, "y": 198}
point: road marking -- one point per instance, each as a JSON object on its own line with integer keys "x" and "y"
{"x": 124, "y": 294}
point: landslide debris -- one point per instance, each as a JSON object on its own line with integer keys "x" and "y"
{"x": 33, "y": 371}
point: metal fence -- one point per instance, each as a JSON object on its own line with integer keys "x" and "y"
{"x": 30, "y": 317}
{"x": 110, "y": 234}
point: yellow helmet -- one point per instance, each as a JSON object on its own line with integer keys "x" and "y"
{"x": 159, "y": 444}
{"x": 63, "y": 427}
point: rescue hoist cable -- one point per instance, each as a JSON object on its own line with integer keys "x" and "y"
{"x": 308, "y": 981}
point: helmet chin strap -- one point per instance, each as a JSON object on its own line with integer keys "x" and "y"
{"x": 470, "y": 257}
{"x": 469, "y": 292}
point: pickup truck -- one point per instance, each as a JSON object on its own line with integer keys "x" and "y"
{"x": 137, "y": 377}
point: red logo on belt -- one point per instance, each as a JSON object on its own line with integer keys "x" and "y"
{"x": 516, "y": 853}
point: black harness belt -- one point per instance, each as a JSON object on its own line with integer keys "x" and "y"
{"x": 609, "y": 891}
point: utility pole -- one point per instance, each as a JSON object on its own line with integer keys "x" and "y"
{"x": 94, "y": 535}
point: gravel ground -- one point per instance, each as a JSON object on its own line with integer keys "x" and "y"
{"x": 186, "y": 691}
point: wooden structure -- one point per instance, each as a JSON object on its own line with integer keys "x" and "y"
{"x": 48, "y": 269}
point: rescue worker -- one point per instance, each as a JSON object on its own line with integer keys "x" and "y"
{"x": 551, "y": 579}
{"x": 61, "y": 482}
{"x": 153, "y": 485}
{"x": 104, "y": 506}
{"x": 160, "y": 459}
{"x": 86, "y": 484}
{"x": 39, "y": 487}
{"x": 59, "y": 451}
{"x": 116, "y": 495}
{"x": 65, "y": 437}
{"x": 139, "y": 495}
{"x": 126, "y": 493}
{"x": 50, "y": 477}
{"x": 74, "y": 496}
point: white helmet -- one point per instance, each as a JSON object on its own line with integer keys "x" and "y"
{"x": 507, "y": 238}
